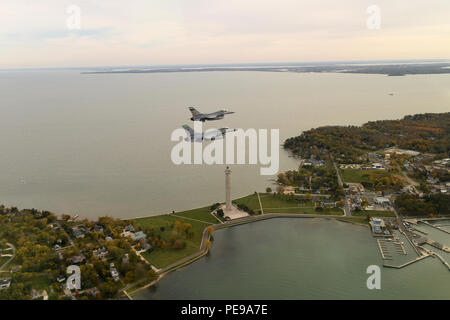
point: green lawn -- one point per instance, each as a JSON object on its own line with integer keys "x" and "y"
{"x": 271, "y": 201}
{"x": 358, "y": 176}
{"x": 331, "y": 211}
{"x": 40, "y": 282}
{"x": 276, "y": 204}
{"x": 164, "y": 257}
{"x": 267, "y": 200}
{"x": 373, "y": 213}
{"x": 250, "y": 201}
{"x": 3, "y": 260}
{"x": 203, "y": 214}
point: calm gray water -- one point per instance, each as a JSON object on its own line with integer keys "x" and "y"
{"x": 298, "y": 259}
{"x": 100, "y": 144}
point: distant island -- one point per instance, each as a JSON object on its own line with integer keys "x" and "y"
{"x": 394, "y": 69}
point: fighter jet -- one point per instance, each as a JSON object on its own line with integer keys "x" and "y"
{"x": 218, "y": 115}
{"x": 208, "y": 135}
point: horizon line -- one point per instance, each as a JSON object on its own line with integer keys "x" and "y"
{"x": 281, "y": 63}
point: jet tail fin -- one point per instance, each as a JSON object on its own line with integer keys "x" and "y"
{"x": 193, "y": 111}
{"x": 189, "y": 130}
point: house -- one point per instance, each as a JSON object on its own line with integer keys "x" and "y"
{"x": 100, "y": 253}
{"x": 377, "y": 166}
{"x": 127, "y": 234}
{"x": 38, "y": 294}
{"x": 432, "y": 180}
{"x": 328, "y": 204}
{"x": 77, "y": 232}
{"x": 382, "y": 201}
{"x": 5, "y": 283}
{"x": 77, "y": 259}
{"x": 140, "y": 235}
{"x": 144, "y": 246}
{"x": 98, "y": 228}
{"x": 108, "y": 238}
{"x": 129, "y": 228}
{"x": 92, "y": 291}
{"x": 377, "y": 225}
{"x": 114, "y": 273}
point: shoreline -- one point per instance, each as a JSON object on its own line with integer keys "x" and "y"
{"x": 207, "y": 235}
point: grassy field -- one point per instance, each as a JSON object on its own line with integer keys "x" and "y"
{"x": 333, "y": 211}
{"x": 161, "y": 258}
{"x": 271, "y": 201}
{"x": 358, "y": 176}
{"x": 203, "y": 214}
{"x": 250, "y": 201}
{"x": 373, "y": 213}
{"x": 164, "y": 257}
{"x": 275, "y": 204}
{"x": 40, "y": 282}
{"x": 3, "y": 260}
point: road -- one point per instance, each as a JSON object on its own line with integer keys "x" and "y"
{"x": 409, "y": 180}
{"x": 404, "y": 231}
{"x": 10, "y": 259}
{"x": 347, "y": 210}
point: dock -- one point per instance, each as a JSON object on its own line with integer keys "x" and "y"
{"x": 436, "y": 227}
{"x": 408, "y": 263}
{"x": 383, "y": 250}
{"x": 437, "y": 245}
{"x": 420, "y": 231}
{"x": 399, "y": 246}
{"x": 443, "y": 261}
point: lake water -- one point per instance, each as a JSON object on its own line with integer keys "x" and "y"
{"x": 298, "y": 259}
{"x": 100, "y": 144}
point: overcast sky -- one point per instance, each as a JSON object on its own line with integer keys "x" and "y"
{"x": 152, "y": 32}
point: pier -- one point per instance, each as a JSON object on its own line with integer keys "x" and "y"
{"x": 383, "y": 250}
{"x": 438, "y": 245}
{"x": 443, "y": 261}
{"x": 407, "y": 263}
{"x": 420, "y": 231}
{"x": 399, "y": 246}
{"x": 436, "y": 227}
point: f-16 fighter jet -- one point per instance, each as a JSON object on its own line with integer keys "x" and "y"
{"x": 208, "y": 135}
{"x": 218, "y": 115}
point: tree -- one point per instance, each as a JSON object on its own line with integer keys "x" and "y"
{"x": 280, "y": 189}
{"x": 268, "y": 189}
{"x": 89, "y": 277}
{"x": 364, "y": 203}
{"x": 108, "y": 289}
{"x": 130, "y": 276}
